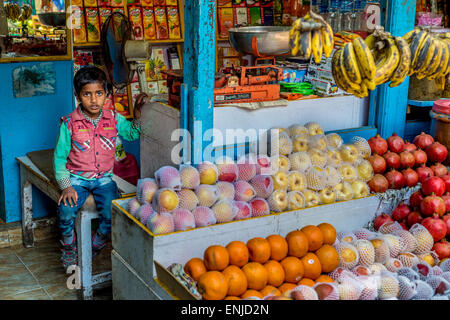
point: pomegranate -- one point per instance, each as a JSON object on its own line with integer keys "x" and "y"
{"x": 424, "y": 173}
{"x": 395, "y": 179}
{"x": 420, "y": 157}
{"x": 446, "y": 179}
{"x": 436, "y": 227}
{"x": 413, "y": 218}
{"x": 439, "y": 169}
{"x": 411, "y": 177}
{"x": 436, "y": 152}
{"x": 410, "y": 146}
{"x": 392, "y": 160}
{"x": 446, "y": 198}
{"x": 404, "y": 226}
{"x": 423, "y": 140}
{"x": 381, "y": 219}
{"x": 446, "y": 219}
{"x": 442, "y": 249}
{"x": 395, "y": 143}
{"x": 407, "y": 159}
{"x": 378, "y": 163}
{"x": 378, "y": 145}
{"x": 431, "y": 205}
{"x": 378, "y": 183}
{"x": 416, "y": 198}
{"x": 433, "y": 185}
{"x": 401, "y": 212}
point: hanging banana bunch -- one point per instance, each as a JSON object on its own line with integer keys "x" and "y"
{"x": 311, "y": 34}
{"x": 12, "y": 11}
{"x": 430, "y": 55}
{"x": 361, "y": 65}
{"x": 26, "y": 12}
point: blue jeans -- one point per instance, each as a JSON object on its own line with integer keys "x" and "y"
{"x": 104, "y": 191}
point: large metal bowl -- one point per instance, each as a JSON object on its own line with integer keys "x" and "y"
{"x": 52, "y": 19}
{"x": 271, "y": 40}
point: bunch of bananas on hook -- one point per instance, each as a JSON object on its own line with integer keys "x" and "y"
{"x": 311, "y": 34}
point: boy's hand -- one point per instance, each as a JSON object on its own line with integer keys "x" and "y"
{"x": 140, "y": 101}
{"x": 68, "y": 196}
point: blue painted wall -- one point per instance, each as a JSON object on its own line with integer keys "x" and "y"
{"x": 29, "y": 124}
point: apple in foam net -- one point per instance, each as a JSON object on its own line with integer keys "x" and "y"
{"x": 365, "y": 170}
{"x": 343, "y": 191}
{"x": 360, "y": 189}
{"x": 349, "y": 153}
{"x": 348, "y": 172}
{"x": 296, "y": 181}
{"x": 334, "y": 158}
{"x": 311, "y": 198}
{"x": 327, "y": 195}
{"x": 296, "y": 200}
{"x": 300, "y": 143}
{"x": 280, "y": 180}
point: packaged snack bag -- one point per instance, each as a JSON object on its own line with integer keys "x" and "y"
{"x": 135, "y": 18}
{"x": 92, "y": 25}
{"x": 104, "y": 13}
{"x": 162, "y": 32}
{"x": 148, "y": 22}
{"x": 79, "y": 26}
{"x": 173, "y": 20}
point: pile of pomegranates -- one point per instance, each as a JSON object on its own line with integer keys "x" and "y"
{"x": 429, "y": 206}
{"x": 398, "y": 163}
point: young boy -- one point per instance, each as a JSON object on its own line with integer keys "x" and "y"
{"x": 84, "y": 158}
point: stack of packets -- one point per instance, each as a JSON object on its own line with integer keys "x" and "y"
{"x": 150, "y": 19}
{"x": 293, "y": 72}
{"x": 243, "y": 13}
{"x": 227, "y": 56}
{"x": 321, "y": 77}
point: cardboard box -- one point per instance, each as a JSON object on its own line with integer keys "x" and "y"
{"x": 148, "y": 22}
{"x": 162, "y": 32}
{"x": 92, "y": 25}
{"x": 225, "y": 20}
{"x": 173, "y": 19}
{"x": 135, "y": 18}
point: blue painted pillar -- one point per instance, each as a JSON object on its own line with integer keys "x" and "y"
{"x": 399, "y": 16}
{"x": 198, "y": 72}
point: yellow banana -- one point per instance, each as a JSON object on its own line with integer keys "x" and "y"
{"x": 337, "y": 74}
{"x": 370, "y": 84}
{"x": 443, "y": 64}
{"x": 294, "y": 43}
{"x": 402, "y": 69}
{"x": 425, "y": 54}
{"x": 434, "y": 64}
{"x": 351, "y": 64}
{"x": 316, "y": 46}
{"x": 408, "y": 36}
{"x": 327, "y": 39}
{"x": 440, "y": 82}
{"x": 385, "y": 69}
{"x": 296, "y": 26}
{"x": 305, "y": 44}
{"x": 416, "y": 45}
{"x": 343, "y": 72}
{"x": 365, "y": 59}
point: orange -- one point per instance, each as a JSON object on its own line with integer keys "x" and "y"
{"x": 276, "y": 273}
{"x": 270, "y": 290}
{"x": 328, "y": 233}
{"x": 293, "y": 268}
{"x": 324, "y": 278}
{"x": 328, "y": 257}
{"x": 278, "y": 247}
{"x": 216, "y": 258}
{"x": 259, "y": 249}
{"x": 238, "y": 253}
{"x": 315, "y": 237}
{"x": 236, "y": 279}
{"x": 256, "y": 274}
{"x": 251, "y": 293}
{"x": 195, "y": 268}
{"x": 306, "y": 282}
{"x": 312, "y": 266}
{"x": 212, "y": 285}
{"x": 286, "y": 287}
{"x": 231, "y": 298}
{"x": 297, "y": 243}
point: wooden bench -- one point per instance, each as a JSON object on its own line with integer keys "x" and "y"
{"x": 31, "y": 175}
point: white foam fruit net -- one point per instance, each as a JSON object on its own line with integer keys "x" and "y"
{"x": 165, "y": 200}
{"x": 145, "y": 190}
{"x": 366, "y": 252}
{"x": 364, "y": 169}
{"x": 344, "y": 191}
{"x": 278, "y": 201}
{"x": 168, "y": 177}
{"x": 315, "y": 178}
{"x": 393, "y": 264}
{"x": 300, "y": 161}
{"x": 296, "y": 200}
{"x": 348, "y": 255}
{"x": 382, "y": 252}
{"x": 370, "y": 288}
{"x": 318, "y": 141}
{"x": 300, "y": 142}
{"x": 332, "y": 176}
{"x": 424, "y": 290}
{"x": 407, "y": 288}
{"x": 187, "y": 199}
{"x": 297, "y": 129}
{"x": 277, "y": 163}
{"x": 409, "y": 240}
{"x": 207, "y": 194}
{"x": 362, "y": 145}
{"x": 363, "y": 233}
{"x": 334, "y": 141}
{"x": 390, "y": 227}
{"x": 304, "y": 292}
{"x": 348, "y": 172}
{"x": 203, "y": 216}
{"x": 326, "y": 290}
{"x": 318, "y": 157}
{"x": 334, "y": 158}
{"x": 283, "y": 145}
{"x": 296, "y": 181}
{"x": 395, "y": 244}
{"x": 314, "y": 128}
{"x": 388, "y": 286}
{"x": 224, "y": 211}
{"x": 408, "y": 259}
{"x": 133, "y": 206}
{"x": 190, "y": 177}
{"x": 424, "y": 239}
{"x": 226, "y": 190}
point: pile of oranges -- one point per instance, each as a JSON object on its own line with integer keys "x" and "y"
{"x": 273, "y": 266}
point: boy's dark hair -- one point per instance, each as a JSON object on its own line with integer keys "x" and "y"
{"x": 87, "y": 75}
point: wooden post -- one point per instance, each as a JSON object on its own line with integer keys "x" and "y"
{"x": 392, "y": 102}
{"x": 198, "y": 71}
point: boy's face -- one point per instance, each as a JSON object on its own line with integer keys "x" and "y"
{"x": 92, "y": 97}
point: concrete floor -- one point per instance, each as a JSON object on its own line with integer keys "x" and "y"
{"x": 37, "y": 274}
